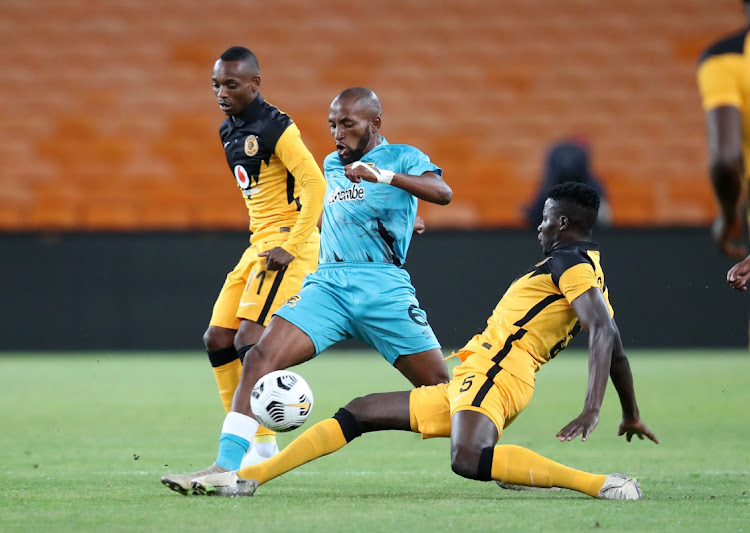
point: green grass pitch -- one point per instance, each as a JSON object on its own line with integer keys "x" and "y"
{"x": 85, "y": 437}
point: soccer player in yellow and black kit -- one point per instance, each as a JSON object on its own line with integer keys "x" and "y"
{"x": 724, "y": 83}
{"x": 283, "y": 188}
{"x": 535, "y": 319}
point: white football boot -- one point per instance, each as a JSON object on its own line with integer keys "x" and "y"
{"x": 227, "y": 484}
{"x": 620, "y": 487}
{"x": 183, "y": 483}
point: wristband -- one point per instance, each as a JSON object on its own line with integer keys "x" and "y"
{"x": 382, "y": 176}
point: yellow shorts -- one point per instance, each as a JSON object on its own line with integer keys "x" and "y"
{"x": 251, "y": 292}
{"x": 501, "y": 400}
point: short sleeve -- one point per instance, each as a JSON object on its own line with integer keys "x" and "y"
{"x": 573, "y": 273}
{"x": 719, "y": 81}
{"x": 417, "y": 163}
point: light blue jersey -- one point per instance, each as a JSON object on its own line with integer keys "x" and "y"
{"x": 359, "y": 289}
{"x": 370, "y": 222}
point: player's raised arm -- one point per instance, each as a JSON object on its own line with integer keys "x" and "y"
{"x": 721, "y": 69}
{"x": 724, "y": 125}
{"x": 593, "y": 314}
{"x": 622, "y": 379}
{"x": 429, "y": 187}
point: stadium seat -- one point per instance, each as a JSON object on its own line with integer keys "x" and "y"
{"x": 472, "y": 83}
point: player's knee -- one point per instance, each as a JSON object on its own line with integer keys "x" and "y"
{"x": 217, "y": 339}
{"x": 465, "y": 461}
{"x": 366, "y": 412}
{"x": 441, "y": 376}
{"x": 262, "y": 359}
{"x": 358, "y": 408}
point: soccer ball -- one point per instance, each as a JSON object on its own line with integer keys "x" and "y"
{"x": 281, "y": 400}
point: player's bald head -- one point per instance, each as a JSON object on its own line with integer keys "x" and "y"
{"x": 362, "y": 98}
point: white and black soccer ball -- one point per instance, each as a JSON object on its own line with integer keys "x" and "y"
{"x": 281, "y": 400}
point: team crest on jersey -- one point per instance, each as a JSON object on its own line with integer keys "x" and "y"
{"x": 251, "y": 145}
{"x": 291, "y": 302}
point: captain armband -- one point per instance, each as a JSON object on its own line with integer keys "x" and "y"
{"x": 381, "y": 175}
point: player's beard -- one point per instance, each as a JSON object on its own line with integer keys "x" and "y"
{"x": 357, "y": 153}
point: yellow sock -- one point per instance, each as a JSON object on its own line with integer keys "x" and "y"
{"x": 323, "y": 438}
{"x": 513, "y": 464}
{"x": 264, "y": 435}
{"x": 227, "y": 378}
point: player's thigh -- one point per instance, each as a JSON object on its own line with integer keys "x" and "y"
{"x": 281, "y": 346}
{"x": 267, "y": 290}
{"x": 500, "y": 398}
{"x": 423, "y": 368}
{"x": 224, "y": 314}
{"x": 390, "y": 318}
{"x": 319, "y": 310}
{"x": 429, "y": 411}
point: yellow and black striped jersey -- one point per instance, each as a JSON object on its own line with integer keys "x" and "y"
{"x": 724, "y": 79}
{"x": 534, "y": 319}
{"x": 274, "y": 170}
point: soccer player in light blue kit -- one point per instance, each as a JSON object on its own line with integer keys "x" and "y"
{"x": 360, "y": 289}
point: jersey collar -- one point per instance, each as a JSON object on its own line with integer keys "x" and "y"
{"x": 250, "y": 113}
{"x": 383, "y": 142}
{"x": 586, "y": 245}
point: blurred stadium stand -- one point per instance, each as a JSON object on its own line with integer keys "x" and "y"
{"x": 108, "y": 122}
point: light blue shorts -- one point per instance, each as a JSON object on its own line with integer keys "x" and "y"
{"x": 372, "y": 302}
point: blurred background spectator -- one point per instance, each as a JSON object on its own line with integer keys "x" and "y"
{"x": 567, "y": 160}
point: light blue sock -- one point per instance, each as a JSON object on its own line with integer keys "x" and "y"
{"x": 236, "y": 435}
{"x": 232, "y": 449}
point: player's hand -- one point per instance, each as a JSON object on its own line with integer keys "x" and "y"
{"x": 635, "y": 427}
{"x": 583, "y": 425}
{"x": 419, "y": 225}
{"x": 739, "y": 274}
{"x": 359, "y": 171}
{"x": 728, "y": 236}
{"x": 276, "y": 258}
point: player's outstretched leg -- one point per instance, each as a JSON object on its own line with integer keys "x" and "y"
{"x": 475, "y": 455}
{"x": 374, "y": 412}
{"x": 517, "y": 465}
{"x": 321, "y": 439}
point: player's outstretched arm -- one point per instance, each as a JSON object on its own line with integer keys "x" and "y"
{"x": 739, "y": 274}
{"x": 429, "y": 187}
{"x": 593, "y": 314}
{"x": 622, "y": 379}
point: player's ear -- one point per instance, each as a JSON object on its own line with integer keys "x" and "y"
{"x": 564, "y": 222}
{"x": 375, "y": 124}
{"x": 256, "y": 82}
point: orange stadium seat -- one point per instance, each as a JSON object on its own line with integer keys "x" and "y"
{"x": 482, "y": 87}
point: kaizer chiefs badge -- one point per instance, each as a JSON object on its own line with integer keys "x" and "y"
{"x": 251, "y": 145}
{"x": 291, "y": 302}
